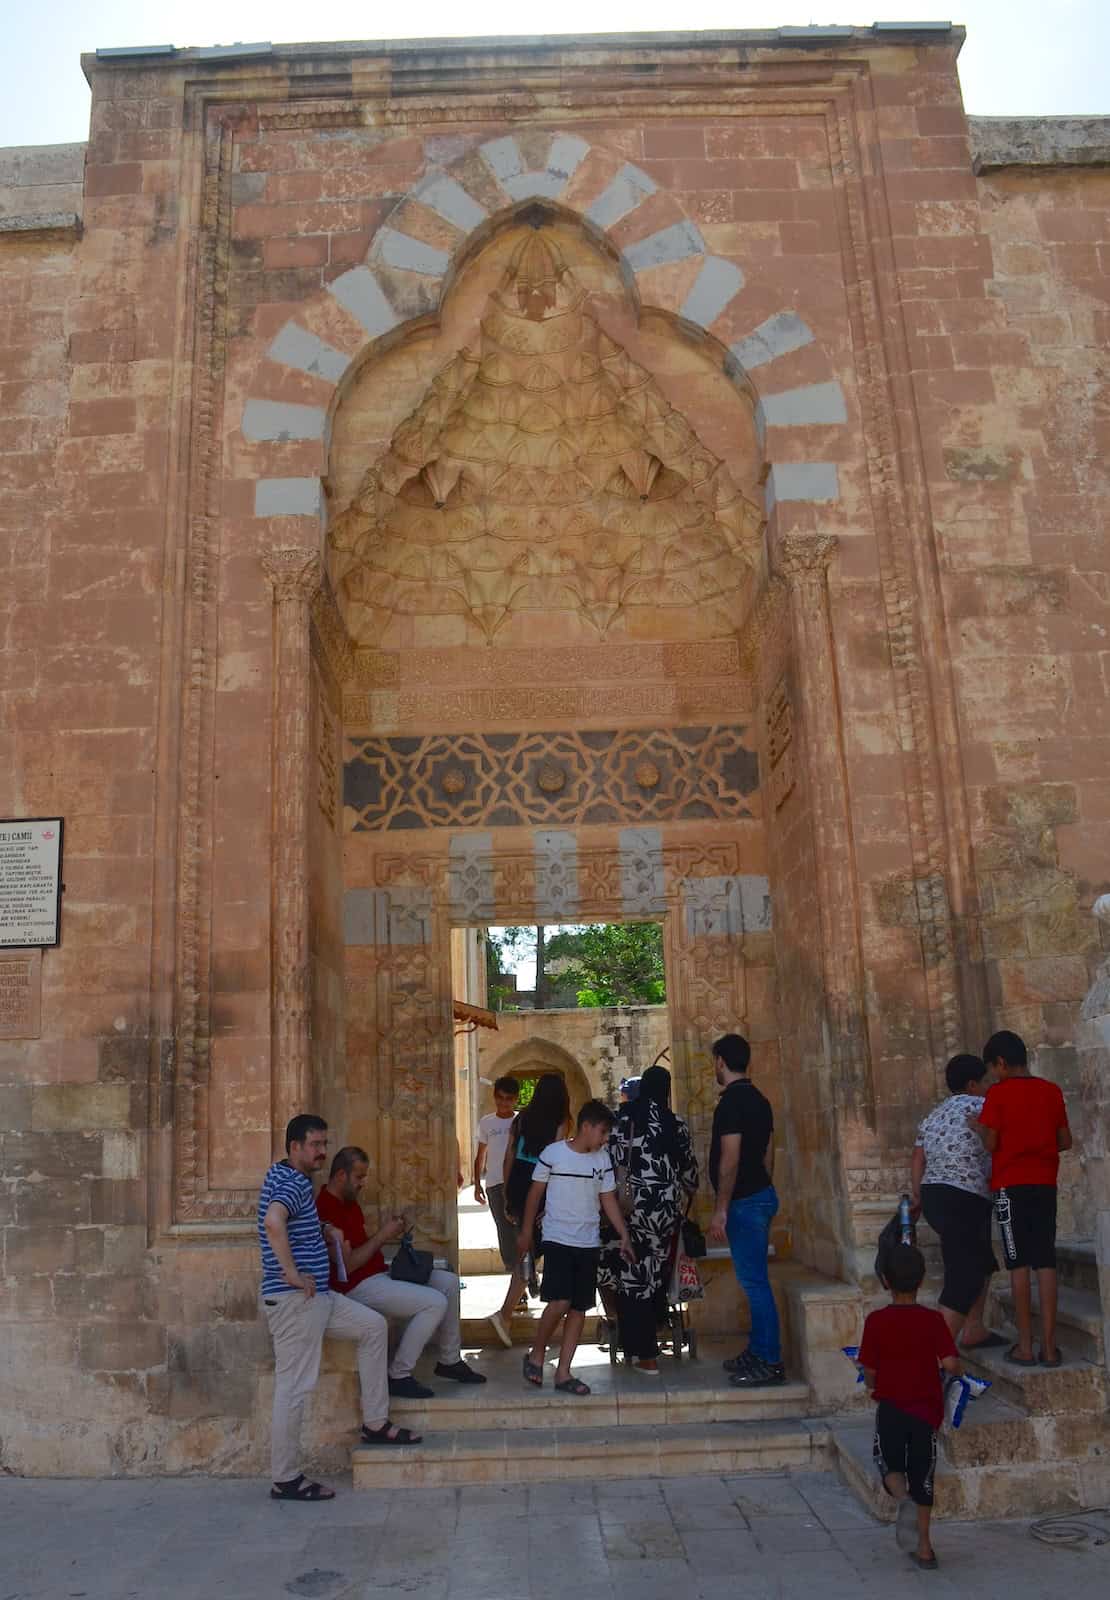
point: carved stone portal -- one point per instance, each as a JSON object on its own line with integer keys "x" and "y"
{"x": 545, "y": 471}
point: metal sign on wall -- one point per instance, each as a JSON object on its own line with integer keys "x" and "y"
{"x": 30, "y": 882}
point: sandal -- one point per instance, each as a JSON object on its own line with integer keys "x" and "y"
{"x": 388, "y": 1433}
{"x": 1057, "y": 1359}
{"x": 924, "y": 1563}
{"x": 299, "y": 1488}
{"x": 533, "y": 1373}
{"x": 573, "y": 1386}
{"x": 1019, "y": 1361}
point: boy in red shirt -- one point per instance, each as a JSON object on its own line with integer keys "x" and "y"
{"x": 1024, "y": 1125}
{"x": 904, "y": 1347}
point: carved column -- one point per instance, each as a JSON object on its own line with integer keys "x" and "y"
{"x": 803, "y": 561}
{"x": 295, "y": 577}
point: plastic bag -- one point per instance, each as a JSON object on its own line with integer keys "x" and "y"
{"x": 958, "y": 1393}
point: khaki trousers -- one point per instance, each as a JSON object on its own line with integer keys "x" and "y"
{"x": 297, "y": 1327}
{"x": 423, "y": 1308}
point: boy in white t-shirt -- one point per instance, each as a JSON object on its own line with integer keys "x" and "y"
{"x": 489, "y": 1162}
{"x": 577, "y": 1177}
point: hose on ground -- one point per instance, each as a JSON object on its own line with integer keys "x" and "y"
{"x": 1074, "y": 1528}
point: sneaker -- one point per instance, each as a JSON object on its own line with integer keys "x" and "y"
{"x": 459, "y": 1372}
{"x": 905, "y": 1525}
{"x": 739, "y": 1363}
{"x": 759, "y": 1374}
{"x": 410, "y": 1389}
{"x": 497, "y": 1324}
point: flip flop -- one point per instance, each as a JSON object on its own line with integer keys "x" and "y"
{"x": 925, "y": 1563}
{"x": 382, "y": 1435}
{"x": 1057, "y": 1360}
{"x": 299, "y": 1488}
{"x": 1019, "y": 1361}
{"x": 573, "y": 1386}
{"x": 533, "y": 1374}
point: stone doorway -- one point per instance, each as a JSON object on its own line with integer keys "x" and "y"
{"x": 545, "y": 541}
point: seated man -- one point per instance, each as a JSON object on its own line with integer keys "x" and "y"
{"x": 423, "y": 1307}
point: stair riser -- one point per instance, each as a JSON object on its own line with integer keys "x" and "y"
{"x": 972, "y": 1493}
{"x": 1047, "y": 1392}
{"x": 1083, "y": 1339}
{"x": 476, "y": 1333}
{"x": 729, "y": 1406}
{"x": 430, "y": 1470}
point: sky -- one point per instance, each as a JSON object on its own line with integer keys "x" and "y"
{"x": 1022, "y": 57}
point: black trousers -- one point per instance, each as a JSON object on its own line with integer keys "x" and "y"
{"x": 636, "y": 1325}
{"x": 963, "y": 1221}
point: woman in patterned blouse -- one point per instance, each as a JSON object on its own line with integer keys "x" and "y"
{"x": 950, "y": 1174}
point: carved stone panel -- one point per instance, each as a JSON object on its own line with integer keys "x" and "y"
{"x": 536, "y": 779}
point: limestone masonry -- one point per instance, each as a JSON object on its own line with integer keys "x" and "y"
{"x": 499, "y": 481}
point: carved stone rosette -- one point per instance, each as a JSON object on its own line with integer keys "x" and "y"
{"x": 296, "y": 578}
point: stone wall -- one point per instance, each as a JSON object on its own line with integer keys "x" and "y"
{"x": 899, "y": 359}
{"x": 606, "y": 1044}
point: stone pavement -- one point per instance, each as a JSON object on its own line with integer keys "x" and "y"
{"x": 752, "y": 1537}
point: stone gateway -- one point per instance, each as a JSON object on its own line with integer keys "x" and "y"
{"x": 468, "y": 482}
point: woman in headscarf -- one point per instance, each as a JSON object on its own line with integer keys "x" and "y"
{"x": 653, "y": 1147}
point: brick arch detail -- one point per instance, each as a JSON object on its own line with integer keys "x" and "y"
{"x": 452, "y": 203}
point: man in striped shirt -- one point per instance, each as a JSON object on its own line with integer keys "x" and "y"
{"x": 300, "y": 1309}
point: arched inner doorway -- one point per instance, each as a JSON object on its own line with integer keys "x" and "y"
{"x": 545, "y": 543}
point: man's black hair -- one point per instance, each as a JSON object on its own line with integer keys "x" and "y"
{"x": 961, "y": 1071}
{"x": 905, "y": 1269}
{"x": 506, "y": 1085}
{"x": 347, "y": 1159}
{"x": 300, "y": 1127}
{"x": 734, "y": 1050}
{"x": 597, "y": 1112}
{"x": 1008, "y": 1046}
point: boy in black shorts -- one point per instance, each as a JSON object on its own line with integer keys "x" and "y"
{"x": 1024, "y": 1125}
{"x": 577, "y": 1177}
{"x": 904, "y": 1347}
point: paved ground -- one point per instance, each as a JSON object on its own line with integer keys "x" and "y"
{"x": 793, "y": 1536}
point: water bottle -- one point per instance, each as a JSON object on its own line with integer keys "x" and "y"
{"x": 905, "y": 1220}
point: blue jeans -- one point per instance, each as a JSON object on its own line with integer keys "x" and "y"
{"x": 749, "y": 1232}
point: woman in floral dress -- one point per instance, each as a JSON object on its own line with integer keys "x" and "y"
{"x": 653, "y": 1146}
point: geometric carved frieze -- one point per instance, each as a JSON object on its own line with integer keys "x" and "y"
{"x": 721, "y": 907}
{"x": 779, "y": 728}
{"x": 541, "y": 779}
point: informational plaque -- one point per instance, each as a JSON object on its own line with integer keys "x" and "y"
{"x": 20, "y": 994}
{"x": 30, "y": 882}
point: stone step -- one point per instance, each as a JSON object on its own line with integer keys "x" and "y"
{"x": 1078, "y": 1316}
{"x": 479, "y": 1262}
{"x": 622, "y": 1399}
{"x": 1078, "y": 1386}
{"x": 1076, "y": 1264}
{"x": 477, "y": 1334}
{"x": 964, "y": 1492}
{"x": 542, "y": 1454}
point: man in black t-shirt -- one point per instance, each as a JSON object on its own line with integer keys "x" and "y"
{"x": 741, "y": 1161}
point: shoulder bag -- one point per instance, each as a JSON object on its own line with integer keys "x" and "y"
{"x": 410, "y": 1265}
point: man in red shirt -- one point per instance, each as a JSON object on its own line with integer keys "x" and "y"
{"x": 424, "y": 1308}
{"x": 903, "y": 1349}
{"x": 1024, "y": 1125}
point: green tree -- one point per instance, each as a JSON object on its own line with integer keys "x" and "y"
{"x": 612, "y": 963}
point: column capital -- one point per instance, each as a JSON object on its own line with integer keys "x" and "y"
{"x": 805, "y": 555}
{"x": 294, "y": 574}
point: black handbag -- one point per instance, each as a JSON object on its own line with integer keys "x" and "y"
{"x": 410, "y": 1265}
{"x": 693, "y": 1239}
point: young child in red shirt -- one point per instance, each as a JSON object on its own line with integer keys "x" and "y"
{"x": 1024, "y": 1124}
{"x": 904, "y": 1347}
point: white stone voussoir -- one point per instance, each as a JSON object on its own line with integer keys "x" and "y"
{"x": 360, "y": 293}
{"x": 801, "y": 480}
{"x": 295, "y": 347}
{"x": 629, "y": 189}
{"x": 288, "y": 497}
{"x": 678, "y": 242}
{"x": 715, "y": 285}
{"x": 775, "y": 337}
{"x": 409, "y": 254}
{"x": 278, "y": 421}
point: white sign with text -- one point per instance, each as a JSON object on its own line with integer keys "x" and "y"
{"x": 30, "y": 882}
